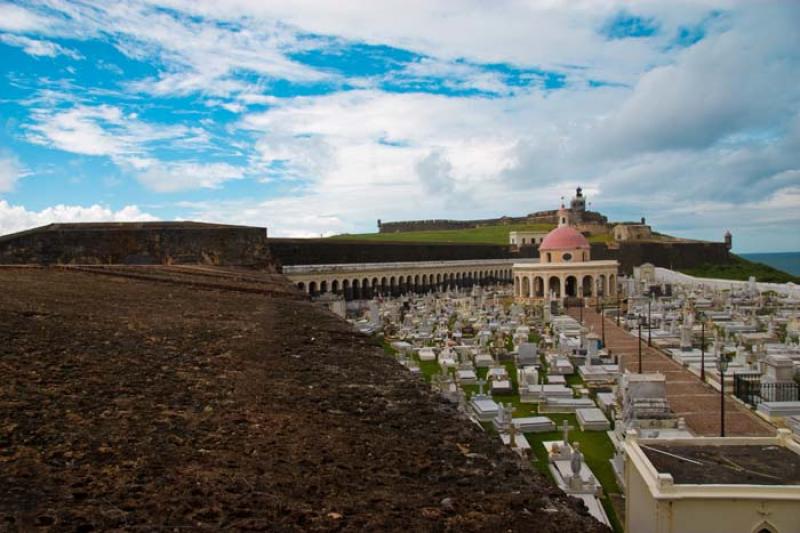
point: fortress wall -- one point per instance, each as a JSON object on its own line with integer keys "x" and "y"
{"x": 595, "y": 222}
{"x": 672, "y": 255}
{"x": 138, "y": 243}
{"x": 329, "y": 251}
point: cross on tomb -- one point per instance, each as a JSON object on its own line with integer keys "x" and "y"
{"x": 565, "y": 427}
{"x": 481, "y": 383}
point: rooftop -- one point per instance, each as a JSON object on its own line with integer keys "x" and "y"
{"x": 733, "y": 464}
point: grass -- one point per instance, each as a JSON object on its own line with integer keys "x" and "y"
{"x": 481, "y": 235}
{"x": 740, "y": 268}
{"x": 595, "y": 445}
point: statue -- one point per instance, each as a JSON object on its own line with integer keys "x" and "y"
{"x": 577, "y": 460}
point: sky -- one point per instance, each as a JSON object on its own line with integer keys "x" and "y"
{"x": 313, "y": 117}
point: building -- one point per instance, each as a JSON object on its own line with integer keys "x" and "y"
{"x": 565, "y": 268}
{"x": 712, "y": 485}
{"x": 628, "y": 231}
{"x": 526, "y": 238}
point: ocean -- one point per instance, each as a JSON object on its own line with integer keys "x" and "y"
{"x": 787, "y": 261}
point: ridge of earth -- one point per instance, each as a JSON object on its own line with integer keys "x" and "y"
{"x": 211, "y": 398}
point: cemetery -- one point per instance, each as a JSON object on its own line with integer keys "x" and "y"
{"x": 541, "y": 376}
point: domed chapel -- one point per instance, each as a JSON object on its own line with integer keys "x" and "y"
{"x": 565, "y": 268}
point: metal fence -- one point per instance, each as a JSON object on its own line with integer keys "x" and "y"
{"x": 750, "y": 389}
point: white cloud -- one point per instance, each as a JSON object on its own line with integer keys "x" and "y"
{"x": 15, "y": 218}
{"x": 37, "y": 47}
{"x": 10, "y": 172}
{"x": 178, "y": 176}
{"x": 18, "y": 19}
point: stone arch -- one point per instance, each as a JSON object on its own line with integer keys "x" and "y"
{"x": 554, "y": 286}
{"x": 384, "y": 286}
{"x": 346, "y": 289}
{"x": 538, "y": 287}
{"x": 571, "y": 286}
{"x": 586, "y": 286}
{"x": 356, "y": 286}
{"x": 765, "y": 527}
{"x": 375, "y": 287}
{"x": 312, "y": 288}
{"x": 612, "y": 284}
{"x": 301, "y": 286}
{"x": 600, "y": 283}
{"x": 335, "y": 286}
{"x": 517, "y": 286}
{"x": 323, "y": 286}
{"x": 526, "y": 287}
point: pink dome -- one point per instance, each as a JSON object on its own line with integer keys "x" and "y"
{"x": 564, "y": 238}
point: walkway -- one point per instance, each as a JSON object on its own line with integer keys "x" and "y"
{"x": 690, "y": 398}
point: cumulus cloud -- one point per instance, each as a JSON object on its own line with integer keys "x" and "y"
{"x": 15, "y": 218}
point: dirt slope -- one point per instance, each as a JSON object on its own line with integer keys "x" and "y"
{"x": 165, "y": 398}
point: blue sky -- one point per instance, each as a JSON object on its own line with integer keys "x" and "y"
{"x": 314, "y": 118}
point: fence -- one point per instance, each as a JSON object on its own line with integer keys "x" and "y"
{"x": 749, "y": 388}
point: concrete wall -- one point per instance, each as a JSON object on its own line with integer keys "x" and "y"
{"x": 138, "y": 243}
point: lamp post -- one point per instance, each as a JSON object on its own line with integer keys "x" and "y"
{"x": 640, "y": 344}
{"x": 619, "y": 308}
{"x": 649, "y": 323}
{"x": 702, "y": 348}
{"x": 723, "y": 366}
{"x": 603, "y": 323}
{"x": 581, "y": 311}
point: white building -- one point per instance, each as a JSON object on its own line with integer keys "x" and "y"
{"x": 712, "y": 485}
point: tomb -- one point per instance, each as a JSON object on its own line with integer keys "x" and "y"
{"x": 592, "y": 419}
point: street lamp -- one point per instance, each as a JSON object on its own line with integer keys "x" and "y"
{"x": 649, "y": 323}
{"x": 619, "y": 308}
{"x": 640, "y": 344}
{"x": 603, "y": 323}
{"x": 581, "y": 311}
{"x": 702, "y": 317}
{"x": 723, "y": 366}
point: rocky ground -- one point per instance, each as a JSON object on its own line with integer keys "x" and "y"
{"x": 186, "y": 398}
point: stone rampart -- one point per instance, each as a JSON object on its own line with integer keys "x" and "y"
{"x": 334, "y": 251}
{"x": 144, "y": 243}
{"x": 540, "y": 217}
{"x": 669, "y": 254}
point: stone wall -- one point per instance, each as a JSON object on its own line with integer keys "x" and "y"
{"x": 672, "y": 255}
{"x": 142, "y": 243}
{"x": 591, "y": 218}
{"x": 333, "y": 251}
{"x": 678, "y": 254}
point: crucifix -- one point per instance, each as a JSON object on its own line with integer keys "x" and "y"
{"x": 565, "y": 427}
{"x": 481, "y": 383}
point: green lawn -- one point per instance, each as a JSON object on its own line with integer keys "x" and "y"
{"x": 482, "y": 235}
{"x": 595, "y": 445}
{"x": 740, "y": 268}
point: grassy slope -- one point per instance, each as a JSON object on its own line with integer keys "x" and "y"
{"x": 483, "y": 235}
{"x": 741, "y": 269}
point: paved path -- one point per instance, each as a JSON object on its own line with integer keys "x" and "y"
{"x": 689, "y": 397}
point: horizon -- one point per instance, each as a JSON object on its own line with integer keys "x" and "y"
{"x": 311, "y": 119}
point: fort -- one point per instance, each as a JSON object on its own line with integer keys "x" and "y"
{"x": 168, "y": 243}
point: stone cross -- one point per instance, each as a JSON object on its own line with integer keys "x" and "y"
{"x": 565, "y": 427}
{"x": 481, "y": 383}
